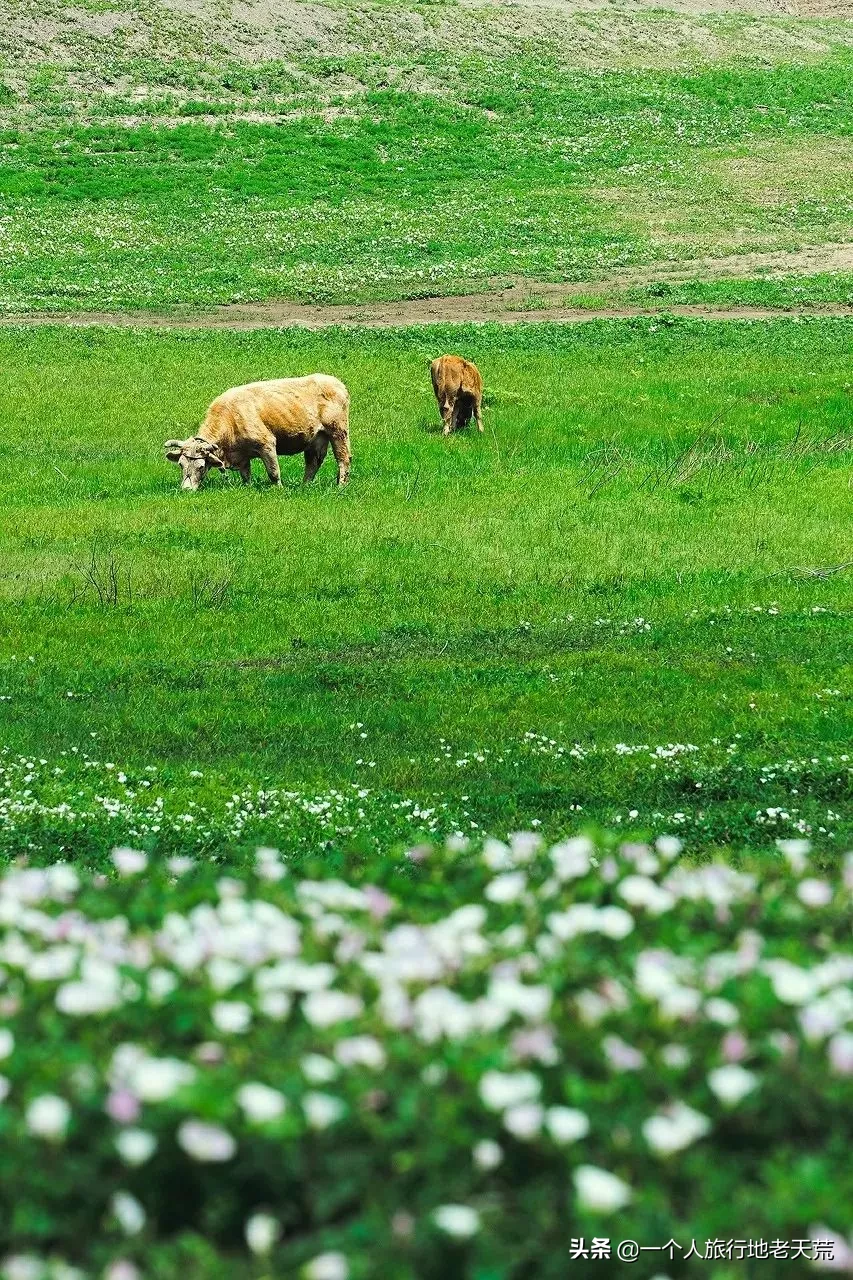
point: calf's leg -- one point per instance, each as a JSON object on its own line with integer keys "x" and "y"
{"x": 448, "y": 416}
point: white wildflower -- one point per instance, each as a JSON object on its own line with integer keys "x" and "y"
{"x": 48, "y": 1116}
{"x": 600, "y": 1191}
{"x": 207, "y": 1143}
{"x": 260, "y": 1103}
{"x": 128, "y": 1212}
{"x": 135, "y": 1146}
{"x": 262, "y": 1231}
{"x": 566, "y": 1124}
{"x": 457, "y": 1220}
{"x": 732, "y": 1083}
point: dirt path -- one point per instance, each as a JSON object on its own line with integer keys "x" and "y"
{"x": 522, "y": 300}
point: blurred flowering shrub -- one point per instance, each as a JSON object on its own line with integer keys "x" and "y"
{"x": 457, "y": 1066}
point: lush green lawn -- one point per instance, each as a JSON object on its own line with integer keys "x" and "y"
{"x": 453, "y": 150}
{"x": 645, "y": 549}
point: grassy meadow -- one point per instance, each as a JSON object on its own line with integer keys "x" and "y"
{"x": 627, "y": 603}
{"x": 156, "y": 156}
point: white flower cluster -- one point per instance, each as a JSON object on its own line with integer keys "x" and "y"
{"x": 558, "y": 977}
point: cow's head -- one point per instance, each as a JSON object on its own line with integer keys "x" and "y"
{"x": 195, "y": 457}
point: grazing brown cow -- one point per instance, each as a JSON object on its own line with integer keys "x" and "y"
{"x": 458, "y": 389}
{"x": 264, "y": 420}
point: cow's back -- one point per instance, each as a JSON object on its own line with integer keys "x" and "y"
{"x": 453, "y": 375}
{"x": 293, "y": 409}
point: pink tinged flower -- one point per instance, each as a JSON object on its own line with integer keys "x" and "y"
{"x": 209, "y": 1053}
{"x": 535, "y": 1044}
{"x": 599, "y": 1191}
{"x": 784, "y": 1044}
{"x": 122, "y": 1269}
{"x": 379, "y": 903}
{"x": 48, "y": 1117}
{"x": 525, "y": 1120}
{"x": 402, "y": 1225}
{"x": 622, "y": 1056}
{"x": 122, "y": 1106}
{"x": 814, "y": 893}
{"x": 609, "y": 870}
{"x": 840, "y": 1051}
{"x": 129, "y": 862}
{"x": 732, "y": 1083}
{"x": 207, "y": 1143}
{"x": 734, "y": 1046}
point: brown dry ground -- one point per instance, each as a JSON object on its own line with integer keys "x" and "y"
{"x": 522, "y": 300}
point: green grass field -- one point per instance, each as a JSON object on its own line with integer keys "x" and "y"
{"x": 628, "y": 602}
{"x": 373, "y": 151}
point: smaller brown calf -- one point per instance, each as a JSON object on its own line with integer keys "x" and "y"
{"x": 458, "y": 389}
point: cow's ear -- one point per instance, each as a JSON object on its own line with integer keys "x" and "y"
{"x": 174, "y": 449}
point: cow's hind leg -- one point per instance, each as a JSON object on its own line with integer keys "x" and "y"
{"x": 448, "y": 416}
{"x": 478, "y": 412}
{"x": 314, "y": 456}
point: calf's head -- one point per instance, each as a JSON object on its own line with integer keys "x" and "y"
{"x": 195, "y": 457}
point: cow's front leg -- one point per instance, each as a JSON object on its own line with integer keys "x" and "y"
{"x": 340, "y": 448}
{"x": 244, "y": 470}
{"x": 269, "y": 458}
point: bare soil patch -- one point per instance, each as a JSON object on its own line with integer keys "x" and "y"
{"x": 520, "y": 300}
